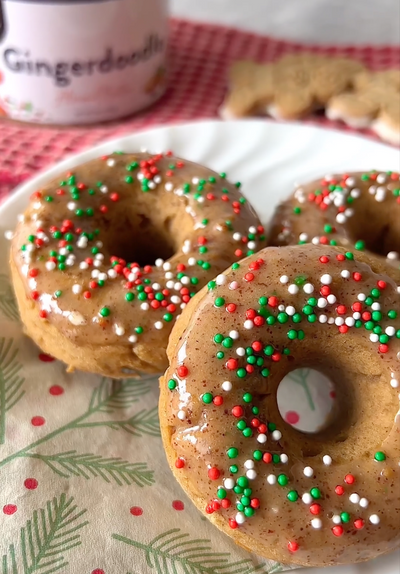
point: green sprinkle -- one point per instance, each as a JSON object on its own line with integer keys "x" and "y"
{"x": 241, "y": 425}
{"x": 392, "y": 314}
{"x": 380, "y": 456}
{"x": 58, "y": 294}
{"x": 265, "y": 372}
{"x": 247, "y": 397}
{"x": 168, "y": 317}
{"x": 234, "y": 469}
{"x": 218, "y": 338}
{"x": 139, "y": 330}
{"x": 129, "y": 179}
{"x": 48, "y": 198}
{"x": 243, "y": 481}
{"x": 345, "y": 517}
{"x": 241, "y": 373}
{"x": 105, "y": 311}
{"x": 292, "y": 495}
{"x": 282, "y": 479}
{"x": 247, "y": 432}
{"x": 349, "y": 255}
{"x": 315, "y": 493}
{"x": 227, "y": 342}
{"x": 207, "y": 398}
{"x": 221, "y": 493}
{"x": 269, "y": 350}
{"x": 220, "y": 355}
{"x": 249, "y": 511}
{"x": 292, "y": 334}
{"x": 232, "y": 452}
{"x": 283, "y": 317}
{"x": 328, "y": 228}
{"x": 219, "y": 302}
{"x": 257, "y": 455}
{"x": 297, "y": 210}
{"x": 359, "y": 245}
{"x": 171, "y": 384}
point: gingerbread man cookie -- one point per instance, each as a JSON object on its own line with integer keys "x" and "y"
{"x": 288, "y": 89}
{"x": 373, "y": 102}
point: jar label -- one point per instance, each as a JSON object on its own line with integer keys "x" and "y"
{"x": 81, "y": 61}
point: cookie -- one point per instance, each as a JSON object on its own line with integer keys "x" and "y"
{"x": 373, "y": 102}
{"x": 287, "y": 89}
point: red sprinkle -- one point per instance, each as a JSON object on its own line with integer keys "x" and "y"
{"x": 249, "y": 277}
{"x": 383, "y": 348}
{"x": 232, "y": 523}
{"x": 231, "y": 307}
{"x": 231, "y": 364}
{"x": 324, "y": 259}
{"x": 237, "y": 411}
{"x": 292, "y": 546}
{"x": 339, "y": 490}
{"x": 315, "y": 509}
{"x": 267, "y": 457}
{"x": 349, "y": 479}
{"x": 42, "y": 314}
{"x": 218, "y": 400}
{"x": 213, "y": 473}
{"x": 182, "y": 371}
{"x": 359, "y": 523}
{"x": 337, "y": 530}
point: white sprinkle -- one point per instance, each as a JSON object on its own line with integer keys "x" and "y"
{"x": 177, "y": 286}
{"x": 345, "y": 274}
{"x": 111, "y": 162}
{"x": 390, "y": 331}
{"x": 185, "y": 280}
{"x": 307, "y": 498}
{"x": 262, "y": 438}
{"x": 71, "y": 205}
{"x": 151, "y": 185}
{"x": 394, "y": 383}
{"x": 241, "y": 351}
{"x": 354, "y": 498}
{"x": 350, "y": 321}
{"x": 234, "y": 335}
{"x": 169, "y": 186}
{"x": 237, "y": 236}
{"x": 376, "y": 306}
{"x": 315, "y": 241}
{"x": 293, "y": 289}
{"x": 322, "y": 318}
{"x": 392, "y": 255}
{"x": 195, "y": 180}
{"x": 381, "y": 178}
{"x": 331, "y": 299}
{"x": 316, "y": 523}
{"x": 119, "y": 330}
{"x": 229, "y": 483}
{"x": 94, "y": 273}
{"x": 251, "y": 474}
{"x": 50, "y": 265}
{"x": 8, "y": 234}
{"x": 175, "y": 299}
{"x": 251, "y": 245}
{"x": 336, "y": 519}
{"x": 284, "y": 458}
{"x": 76, "y": 289}
{"x": 157, "y": 179}
{"x": 221, "y": 279}
{"x": 234, "y": 285}
{"x": 356, "y": 315}
{"x": 284, "y": 279}
{"x": 249, "y": 464}
{"x": 83, "y": 265}
{"x": 322, "y": 302}
{"x": 374, "y": 519}
{"x": 158, "y": 325}
{"x": 281, "y": 307}
{"x": 76, "y": 318}
{"x": 374, "y": 338}
{"x": 339, "y": 321}
{"x": 303, "y": 237}
{"x": 331, "y": 321}
{"x": 103, "y": 189}
{"x": 340, "y": 218}
{"x": 308, "y": 471}
{"x": 144, "y": 306}
{"x": 361, "y": 297}
{"x": 276, "y": 435}
{"x": 159, "y": 262}
{"x": 290, "y": 310}
{"x": 103, "y": 276}
{"x": 248, "y": 324}
{"x": 240, "y": 518}
{"x": 112, "y": 273}
{"x": 308, "y": 288}
{"x": 252, "y": 229}
{"x": 192, "y": 261}
{"x": 271, "y": 479}
{"x": 167, "y": 266}
{"x": 327, "y": 460}
{"x": 326, "y": 279}
{"x": 132, "y": 338}
{"x": 363, "y": 503}
{"x": 181, "y": 415}
{"x": 350, "y": 181}
{"x": 226, "y": 386}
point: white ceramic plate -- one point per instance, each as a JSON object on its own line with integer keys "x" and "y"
{"x": 268, "y": 158}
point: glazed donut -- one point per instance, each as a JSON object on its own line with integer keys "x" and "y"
{"x": 359, "y": 211}
{"x": 106, "y": 256}
{"x": 331, "y": 497}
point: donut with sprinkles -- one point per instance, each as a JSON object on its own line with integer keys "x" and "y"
{"x": 331, "y": 497}
{"x": 107, "y": 255}
{"x": 358, "y": 211}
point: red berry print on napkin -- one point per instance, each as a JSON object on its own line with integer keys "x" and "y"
{"x": 98, "y": 571}
{"x": 136, "y": 511}
{"x": 46, "y": 358}
{"x": 31, "y": 483}
{"x": 178, "y": 505}
{"x": 38, "y": 421}
{"x": 9, "y": 509}
{"x": 292, "y": 417}
{"x": 56, "y": 390}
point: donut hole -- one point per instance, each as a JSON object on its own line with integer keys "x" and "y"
{"x": 138, "y": 238}
{"x": 381, "y": 235}
{"x": 306, "y": 400}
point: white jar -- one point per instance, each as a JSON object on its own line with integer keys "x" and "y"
{"x": 81, "y": 61}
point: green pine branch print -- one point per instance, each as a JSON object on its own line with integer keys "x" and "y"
{"x": 10, "y": 381}
{"x": 299, "y": 376}
{"x": 108, "y": 397}
{"x": 8, "y": 306}
{"x": 46, "y": 538}
{"x": 143, "y": 422}
{"x": 174, "y": 552}
{"x": 70, "y": 463}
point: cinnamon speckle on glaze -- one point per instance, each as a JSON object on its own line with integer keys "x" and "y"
{"x": 83, "y": 295}
{"x": 327, "y": 498}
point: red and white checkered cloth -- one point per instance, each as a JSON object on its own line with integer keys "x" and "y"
{"x": 199, "y": 58}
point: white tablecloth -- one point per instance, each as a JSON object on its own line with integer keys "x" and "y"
{"x": 311, "y": 21}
